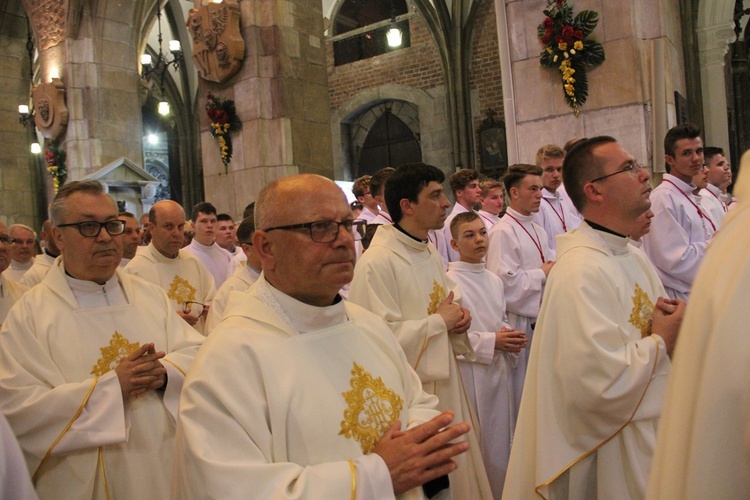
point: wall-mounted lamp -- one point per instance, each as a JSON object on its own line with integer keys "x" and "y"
{"x": 25, "y": 115}
{"x": 394, "y": 35}
{"x": 149, "y": 67}
{"x": 36, "y": 148}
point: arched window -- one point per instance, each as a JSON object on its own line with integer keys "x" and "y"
{"x": 360, "y": 28}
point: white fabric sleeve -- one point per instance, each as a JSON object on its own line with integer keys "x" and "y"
{"x": 373, "y": 478}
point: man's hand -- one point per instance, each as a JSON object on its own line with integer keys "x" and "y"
{"x": 462, "y": 326}
{"x": 667, "y": 319}
{"x": 422, "y": 453}
{"x": 141, "y": 371}
{"x": 510, "y": 340}
{"x": 547, "y": 267}
{"x": 452, "y": 313}
{"x": 192, "y": 320}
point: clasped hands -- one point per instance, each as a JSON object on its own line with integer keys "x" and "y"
{"x": 141, "y": 371}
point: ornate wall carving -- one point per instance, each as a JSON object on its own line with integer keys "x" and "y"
{"x": 49, "y": 20}
{"x": 51, "y": 113}
{"x": 218, "y": 47}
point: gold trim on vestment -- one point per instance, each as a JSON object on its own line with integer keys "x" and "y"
{"x": 596, "y": 448}
{"x": 104, "y": 473}
{"x": 35, "y": 476}
{"x": 421, "y": 351}
{"x": 176, "y": 367}
{"x": 353, "y": 470}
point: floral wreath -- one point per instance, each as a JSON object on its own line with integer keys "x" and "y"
{"x": 566, "y": 47}
{"x": 55, "y": 158}
{"x": 224, "y": 119}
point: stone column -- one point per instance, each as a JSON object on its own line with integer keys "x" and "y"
{"x": 95, "y": 57}
{"x": 713, "y": 44}
{"x": 281, "y": 95}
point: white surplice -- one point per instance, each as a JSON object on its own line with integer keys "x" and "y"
{"x": 703, "y": 449}
{"x": 488, "y": 380}
{"x": 513, "y": 255}
{"x": 711, "y": 198}
{"x": 58, "y": 349}
{"x": 555, "y": 217}
{"x": 215, "y": 258}
{"x": 402, "y": 280}
{"x": 457, "y": 209}
{"x": 16, "y": 270}
{"x": 679, "y": 235}
{"x": 242, "y": 279}
{"x": 596, "y": 376}
{"x": 287, "y": 400}
{"x": 184, "y": 278}
{"x": 38, "y": 270}
{"x": 488, "y": 218}
{"x": 15, "y": 483}
{"x": 10, "y": 293}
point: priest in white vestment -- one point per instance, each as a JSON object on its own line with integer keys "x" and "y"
{"x": 181, "y": 274}
{"x": 681, "y": 227}
{"x": 520, "y": 255}
{"x": 22, "y": 251}
{"x": 44, "y": 261}
{"x": 204, "y": 245}
{"x": 600, "y": 358}
{"x": 10, "y": 291}
{"x": 703, "y": 450}
{"x": 242, "y": 278}
{"x": 488, "y": 380}
{"x": 401, "y": 278}
{"x": 92, "y": 362}
{"x": 297, "y": 393}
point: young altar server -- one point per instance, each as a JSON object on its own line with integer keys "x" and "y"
{"x": 488, "y": 380}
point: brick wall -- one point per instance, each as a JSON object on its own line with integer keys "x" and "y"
{"x": 417, "y": 66}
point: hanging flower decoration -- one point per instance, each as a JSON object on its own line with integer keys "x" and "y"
{"x": 55, "y": 158}
{"x": 567, "y": 47}
{"x": 224, "y": 120}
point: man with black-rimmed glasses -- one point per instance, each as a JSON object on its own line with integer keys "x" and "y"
{"x": 92, "y": 362}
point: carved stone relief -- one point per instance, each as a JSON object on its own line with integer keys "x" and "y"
{"x": 51, "y": 113}
{"x": 49, "y": 18}
{"x": 218, "y": 47}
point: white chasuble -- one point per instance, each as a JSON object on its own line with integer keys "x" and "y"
{"x": 402, "y": 280}
{"x": 62, "y": 397}
{"x": 184, "y": 278}
{"x": 596, "y": 376}
{"x": 241, "y": 279}
{"x": 703, "y": 449}
{"x": 10, "y": 292}
{"x": 489, "y": 379}
{"x": 287, "y": 400}
{"x": 38, "y": 271}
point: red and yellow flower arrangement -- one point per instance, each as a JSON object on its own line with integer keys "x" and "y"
{"x": 224, "y": 120}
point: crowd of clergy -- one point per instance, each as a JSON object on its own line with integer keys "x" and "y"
{"x": 563, "y": 332}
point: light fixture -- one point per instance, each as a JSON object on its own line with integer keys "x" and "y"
{"x": 26, "y": 114}
{"x": 394, "y": 35}
{"x": 153, "y": 139}
{"x": 36, "y": 148}
{"x": 54, "y": 73}
{"x": 159, "y": 67}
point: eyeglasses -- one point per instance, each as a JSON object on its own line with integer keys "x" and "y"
{"x": 322, "y": 231}
{"x": 5, "y": 239}
{"x": 91, "y": 228}
{"x": 633, "y": 167}
{"x": 194, "y": 308}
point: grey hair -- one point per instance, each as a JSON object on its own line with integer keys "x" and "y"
{"x": 21, "y": 226}
{"x": 58, "y": 209}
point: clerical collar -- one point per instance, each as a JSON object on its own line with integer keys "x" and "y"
{"x": 51, "y": 255}
{"x": 603, "y": 229}
{"x": 409, "y": 235}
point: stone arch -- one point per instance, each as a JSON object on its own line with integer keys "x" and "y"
{"x": 430, "y": 112}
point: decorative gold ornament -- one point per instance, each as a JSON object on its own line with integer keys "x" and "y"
{"x": 51, "y": 113}
{"x": 181, "y": 291}
{"x": 643, "y": 311}
{"x": 371, "y": 411}
{"x": 436, "y": 297}
{"x": 119, "y": 347}
{"x": 218, "y": 47}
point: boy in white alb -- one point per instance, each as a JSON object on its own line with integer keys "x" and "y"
{"x": 493, "y": 200}
{"x": 488, "y": 380}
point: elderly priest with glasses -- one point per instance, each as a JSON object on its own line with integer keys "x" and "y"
{"x": 298, "y": 394}
{"x": 92, "y": 362}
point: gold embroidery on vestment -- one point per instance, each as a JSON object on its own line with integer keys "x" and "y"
{"x": 643, "y": 311}
{"x": 372, "y": 408}
{"x": 436, "y": 297}
{"x": 118, "y": 348}
{"x": 181, "y": 290}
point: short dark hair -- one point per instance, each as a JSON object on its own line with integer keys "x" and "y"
{"x": 462, "y": 218}
{"x": 460, "y": 179}
{"x": 569, "y": 145}
{"x": 361, "y": 185}
{"x": 710, "y": 151}
{"x": 681, "y": 131}
{"x": 516, "y": 174}
{"x": 249, "y": 210}
{"x": 581, "y": 166}
{"x": 377, "y": 181}
{"x": 126, "y": 214}
{"x": 245, "y": 231}
{"x": 223, "y": 217}
{"x": 406, "y": 183}
{"x": 203, "y": 207}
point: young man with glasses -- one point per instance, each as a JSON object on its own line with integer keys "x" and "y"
{"x": 401, "y": 278}
{"x": 22, "y": 251}
{"x": 599, "y": 362}
{"x": 681, "y": 227}
{"x": 179, "y": 273}
{"x": 92, "y": 362}
{"x": 298, "y": 393}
